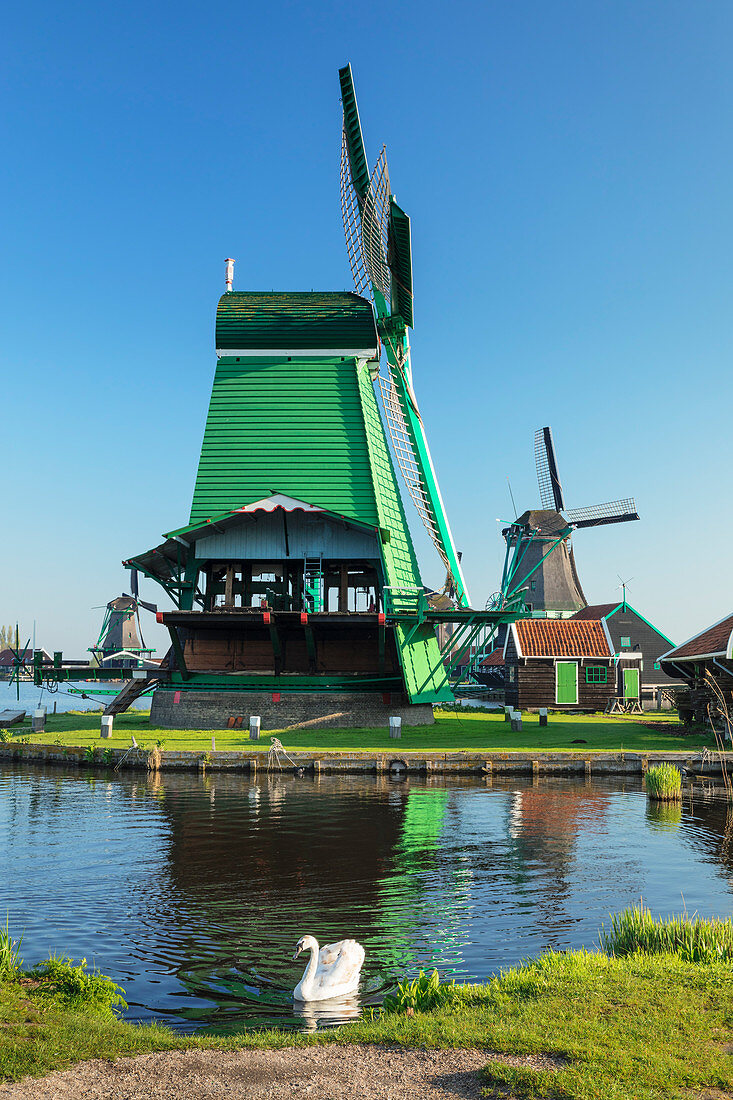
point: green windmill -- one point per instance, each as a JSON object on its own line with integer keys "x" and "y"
{"x": 296, "y": 588}
{"x": 379, "y": 250}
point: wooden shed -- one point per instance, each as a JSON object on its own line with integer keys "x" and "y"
{"x": 704, "y": 664}
{"x": 559, "y": 663}
{"x": 634, "y": 636}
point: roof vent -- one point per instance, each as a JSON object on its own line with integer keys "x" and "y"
{"x": 229, "y": 273}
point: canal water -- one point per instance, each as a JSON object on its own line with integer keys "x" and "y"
{"x": 192, "y": 891}
{"x": 63, "y": 698}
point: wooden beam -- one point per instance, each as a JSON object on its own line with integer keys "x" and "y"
{"x": 344, "y": 589}
{"x": 276, "y": 646}
{"x": 311, "y": 647}
{"x": 178, "y": 650}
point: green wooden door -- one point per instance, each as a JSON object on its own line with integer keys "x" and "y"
{"x": 631, "y": 683}
{"x": 566, "y": 682}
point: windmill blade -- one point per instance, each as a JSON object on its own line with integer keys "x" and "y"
{"x": 365, "y": 201}
{"x": 353, "y": 138}
{"x": 399, "y": 258}
{"x": 547, "y": 475}
{"x": 375, "y": 218}
{"x": 351, "y": 216}
{"x": 366, "y": 225}
{"x": 615, "y": 511}
{"x": 409, "y": 465}
{"x": 141, "y": 603}
{"x": 378, "y": 245}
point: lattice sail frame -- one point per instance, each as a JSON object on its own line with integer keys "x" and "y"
{"x": 613, "y": 511}
{"x": 405, "y": 455}
{"x": 351, "y": 215}
{"x": 544, "y": 463}
{"x": 366, "y": 225}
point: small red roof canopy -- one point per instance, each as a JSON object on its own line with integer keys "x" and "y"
{"x": 561, "y": 638}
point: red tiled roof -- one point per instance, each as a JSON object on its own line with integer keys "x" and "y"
{"x": 595, "y": 611}
{"x": 713, "y": 641}
{"x": 561, "y": 638}
{"x": 495, "y": 659}
{"x": 7, "y": 657}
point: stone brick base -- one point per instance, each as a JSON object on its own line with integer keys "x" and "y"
{"x": 211, "y": 710}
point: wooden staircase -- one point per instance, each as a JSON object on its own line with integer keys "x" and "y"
{"x": 131, "y": 691}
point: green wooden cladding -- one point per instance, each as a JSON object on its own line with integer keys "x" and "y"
{"x": 285, "y": 427}
{"x": 254, "y": 321}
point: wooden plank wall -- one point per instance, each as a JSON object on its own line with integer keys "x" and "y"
{"x": 338, "y": 649}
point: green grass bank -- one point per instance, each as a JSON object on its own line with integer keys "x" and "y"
{"x": 459, "y": 731}
{"x": 644, "y": 1027}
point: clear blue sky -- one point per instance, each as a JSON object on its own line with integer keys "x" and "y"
{"x": 567, "y": 167}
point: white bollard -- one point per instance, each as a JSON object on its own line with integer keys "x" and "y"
{"x": 395, "y": 727}
{"x": 254, "y": 727}
{"x": 38, "y": 722}
{"x": 508, "y": 711}
{"x": 543, "y": 716}
{"x": 107, "y": 724}
{"x": 516, "y": 721}
{"x": 213, "y": 743}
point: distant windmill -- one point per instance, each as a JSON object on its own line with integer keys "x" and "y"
{"x": 538, "y": 542}
{"x": 120, "y": 642}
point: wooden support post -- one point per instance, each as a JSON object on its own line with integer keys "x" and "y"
{"x": 310, "y": 643}
{"x": 229, "y": 587}
{"x": 382, "y": 647}
{"x": 535, "y": 771}
{"x": 344, "y": 588}
{"x": 587, "y": 769}
{"x": 276, "y": 646}
{"x": 178, "y": 650}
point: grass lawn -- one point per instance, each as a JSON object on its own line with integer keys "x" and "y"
{"x": 638, "y": 1028}
{"x": 452, "y": 732}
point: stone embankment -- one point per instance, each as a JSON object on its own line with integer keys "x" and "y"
{"x": 487, "y": 763}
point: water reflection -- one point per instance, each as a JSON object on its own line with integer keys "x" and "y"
{"x": 193, "y": 891}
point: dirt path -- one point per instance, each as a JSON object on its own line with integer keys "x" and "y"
{"x": 331, "y": 1072}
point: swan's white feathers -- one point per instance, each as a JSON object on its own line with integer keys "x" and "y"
{"x": 337, "y": 972}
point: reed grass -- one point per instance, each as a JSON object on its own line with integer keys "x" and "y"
{"x": 10, "y": 961}
{"x": 664, "y": 783}
{"x": 694, "y": 939}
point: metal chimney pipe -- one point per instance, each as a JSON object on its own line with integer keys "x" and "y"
{"x": 230, "y": 273}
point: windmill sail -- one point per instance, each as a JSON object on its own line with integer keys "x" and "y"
{"x": 615, "y": 511}
{"x": 378, "y": 246}
{"x": 547, "y": 475}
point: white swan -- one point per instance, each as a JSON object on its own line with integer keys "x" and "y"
{"x": 332, "y": 971}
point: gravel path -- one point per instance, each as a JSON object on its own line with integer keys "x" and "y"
{"x": 329, "y": 1072}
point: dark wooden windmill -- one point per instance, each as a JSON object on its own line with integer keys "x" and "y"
{"x": 120, "y": 642}
{"x": 538, "y": 542}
